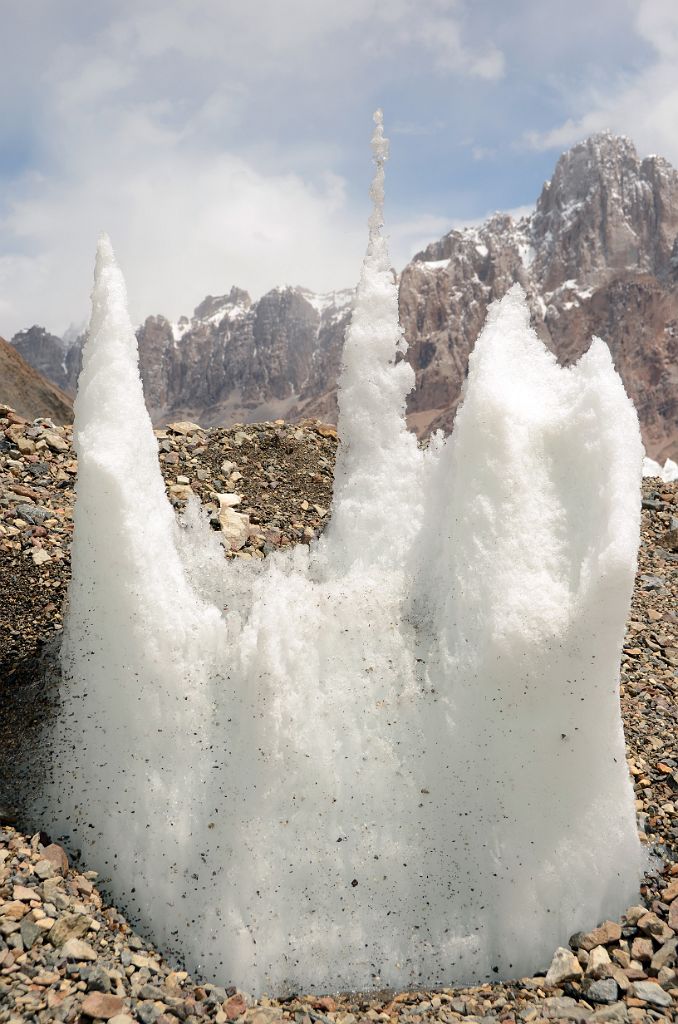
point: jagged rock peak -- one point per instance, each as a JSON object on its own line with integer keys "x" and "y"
{"x": 36, "y": 335}
{"x": 604, "y": 154}
{"x": 601, "y": 162}
{"x": 55, "y": 358}
{"x": 605, "y": 210}
{"x": 211, "y": 305}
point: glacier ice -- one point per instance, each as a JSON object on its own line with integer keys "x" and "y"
{"x": 666, "y": 473}
{"x": 394, "y": 758}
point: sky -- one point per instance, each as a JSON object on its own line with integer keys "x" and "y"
{"x": 223, "y": 143}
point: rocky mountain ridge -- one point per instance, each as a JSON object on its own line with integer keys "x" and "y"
{"x": 599, "y": 255}
{"x": 232, "y": 360}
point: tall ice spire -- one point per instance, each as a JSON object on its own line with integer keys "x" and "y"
{"x": 375, "y": 491}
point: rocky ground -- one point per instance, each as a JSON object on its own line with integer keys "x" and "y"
{"x": 67, "y": 956}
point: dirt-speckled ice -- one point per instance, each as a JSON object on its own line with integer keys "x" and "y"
{"x": 394, "y": 758}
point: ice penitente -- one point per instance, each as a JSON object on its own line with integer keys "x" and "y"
{"x": 397, "y": 758}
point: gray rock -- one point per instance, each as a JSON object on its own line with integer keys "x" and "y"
{"x": 651, "y": 582}
{"x": 603, "y": 991}
{"x": 97, "y": 979}
{"x": 563, "y": 1008}
{"x": 33, "y": 514}
{"x": 150, "y": 992}
{"x": 147, "y": 1013}
{"x": 30, "y": 932}
{"x": 665, "y": 955}
{"x": 617, "y": 1013}
{"x": 44, "y": 869}
{"x": 651, "y": 993}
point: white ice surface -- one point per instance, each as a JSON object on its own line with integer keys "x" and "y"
{"x": 666, "y": 473}
{"x": 395, "y": 758}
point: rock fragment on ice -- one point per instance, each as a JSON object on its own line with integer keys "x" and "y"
{"x": 235, "y": 526}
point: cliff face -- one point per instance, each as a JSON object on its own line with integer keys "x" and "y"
{"x": 599, "y": 255}
{"x": 238, "y": 360}
{"x": 50, "y": 355}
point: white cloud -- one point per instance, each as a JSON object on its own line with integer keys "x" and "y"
{"x": 441, "y": 34}
{"x": 153, "y": 126}
{"x": 641, "y": 103}
{"x": 267, "y": 39}
{"x": 182, "y": 228}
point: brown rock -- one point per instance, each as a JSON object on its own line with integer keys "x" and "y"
{"x": 653, "y": 925}
{"x": 25, "y": 492}
{"x": 14, "y": 910}
{"x": 184, "y": 427}
{"x": 634, "y": 914}
{"x": 608, "y": 931}
{"x": 621, "y": 957}
{"x": 671, "y": 891}
{"x": 22, "y": 892}
{"x": 234, "y": 1007}
{"x": 642, "y": 949}
{"x": 56, "y": 855}
{"x": 264, "y": 1015}
{"x": 102, "y": 1005}
{"x": 55, "y": 441}
{"x": 326, "y": 1003}
{"x": 620, "y": 977}
{"x": 69, "y": 926}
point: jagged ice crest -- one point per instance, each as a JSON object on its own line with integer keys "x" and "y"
{"x": 394, "y": 758}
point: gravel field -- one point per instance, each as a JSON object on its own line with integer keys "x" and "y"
{"x": 66, "y": 955}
